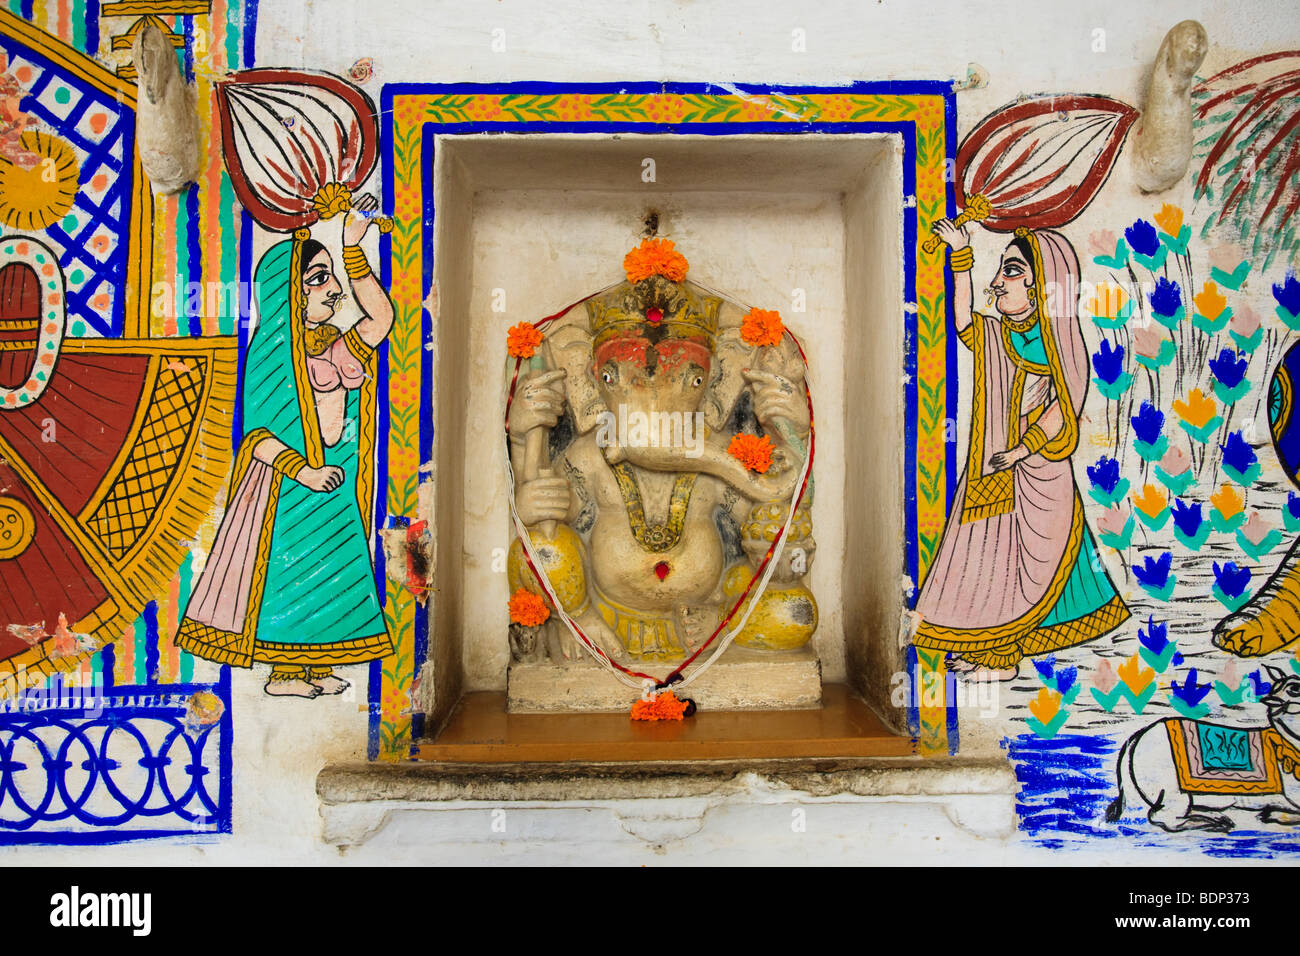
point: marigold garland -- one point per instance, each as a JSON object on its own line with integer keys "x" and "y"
{"x": 762, "y": 327}
{"x": 528, "y": 609}
{"x": 663, "y": 706}
{"x": 522, "y": 340}
{"x": 655, "y": 257}
{"x": 751, "y": 451}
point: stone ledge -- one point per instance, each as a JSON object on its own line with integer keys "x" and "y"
{"x": 821, "y": 777}
{"x": 976, "y": 795}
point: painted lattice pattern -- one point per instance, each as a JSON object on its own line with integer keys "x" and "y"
{"x": 129, "y": 505}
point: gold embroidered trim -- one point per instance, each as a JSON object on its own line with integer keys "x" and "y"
{"x": 314, "y": 447}
{"x": 986, "y": 495}
{"x": 1057, "y": 637}
{"x": 1034, "y": 368}
{"x": 943, "y": 638}
{"x": 1061, "y": 445}
{"x": 660, "y": 537}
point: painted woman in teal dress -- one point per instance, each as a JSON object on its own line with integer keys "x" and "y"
{"x": 290, "y": 581}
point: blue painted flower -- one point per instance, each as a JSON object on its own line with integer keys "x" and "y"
{"x": 1287, "y": 294}
{"x": 1148, "y": 423}
{"x": 1108, "y": 362}
{"x": 1231, "y": 579}
{"x": 1104, "y": 474}
{"x": 1155, "y": 636}
{"x": 1045, "y": 668}
{"x": 1260, "y": 686}
{"x": 1066, "y": 678}
{"x": 1166, "y": 299}
{"x": 1238, "y": 455}
{"x": 1154, "y": 572}
{"x": 1228, "y": 368}
{"x": 1293, "y": 504}
{"x": 1187, "y": 518}
{"x": 1142, "y": 238}
{"x": 1190, "y": 692}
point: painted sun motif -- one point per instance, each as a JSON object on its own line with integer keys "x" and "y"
{"x": 33, "y": 198}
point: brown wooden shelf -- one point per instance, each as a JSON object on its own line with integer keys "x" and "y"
{"x": 480, "y": 731}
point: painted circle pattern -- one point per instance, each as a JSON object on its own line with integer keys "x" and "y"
{"x": 53, "y": 321}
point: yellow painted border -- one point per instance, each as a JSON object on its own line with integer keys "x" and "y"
{"x": 414, "y": 110}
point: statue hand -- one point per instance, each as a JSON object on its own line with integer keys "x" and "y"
{"x": 958, "y": 237}
{"x": 321, "y": 479}
{"x": 354, "y": 225}
{"x": 542, "y": 499}
{"x": 775, "y": 396}
{"x": 539, "y": 401}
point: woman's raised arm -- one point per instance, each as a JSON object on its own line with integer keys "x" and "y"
{"x": 377, "y": 309}
{"x": 961, "y": 260}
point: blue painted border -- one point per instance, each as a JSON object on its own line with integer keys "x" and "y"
{"x": 907, "y": 131}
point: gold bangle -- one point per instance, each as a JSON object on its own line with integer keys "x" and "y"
{"x": 1035, "y": 439}
{"x": 962, "y": 260}
{"x": 289, "y": 463}
{"x": 354, "y": 262}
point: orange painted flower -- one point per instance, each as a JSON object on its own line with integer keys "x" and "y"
{"x": 655, "y": 257}
{"x": 1197, "y": 410}
{"x": 522, "y": 340}
{"x": 1170, "y": 219}
{"x": 751, "y": 451}
{"x": 1210, "y": 301}
{"x": 528, "y": 609}
{"x": 1045, "y": 706}
{"x": 1151, "y": 502}
{"x": 664, "y": 706}
{"x": 762, "y": 327}
{"x": 1108, "y": 301}
{"x": 1228, "y": 502}
{"x": 1134, "y": 675}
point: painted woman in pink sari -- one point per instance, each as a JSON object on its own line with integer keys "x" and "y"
{"x": 1017, "y": 573}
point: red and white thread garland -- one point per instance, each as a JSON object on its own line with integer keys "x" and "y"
{"x": 645, "y": 683}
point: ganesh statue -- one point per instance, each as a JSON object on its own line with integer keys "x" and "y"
{"x": 660, "y": 436}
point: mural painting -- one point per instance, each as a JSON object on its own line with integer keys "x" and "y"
{"x": 217, "y": 401}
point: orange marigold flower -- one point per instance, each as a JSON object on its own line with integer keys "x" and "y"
{"x": 751, "y": 451}
{"x": 664, "y": 706}
{"x": 528, "y": 609}
{"x": 522, "y": 340}
{"x": 762, "y": 327}
{"x": 655, "y": 257}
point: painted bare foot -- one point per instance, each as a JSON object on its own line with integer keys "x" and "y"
{"x": 330, "y": 684}
{"x": 298, "y": 687}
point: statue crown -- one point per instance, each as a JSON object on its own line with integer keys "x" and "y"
{"x": 676, "y": 309}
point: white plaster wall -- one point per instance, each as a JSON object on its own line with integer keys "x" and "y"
{"x": 1026, "y": 47}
